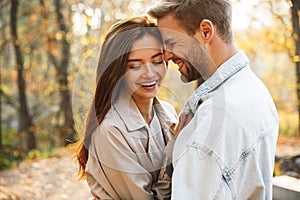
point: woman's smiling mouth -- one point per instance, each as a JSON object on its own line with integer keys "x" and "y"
{"x": 148, "y": 84}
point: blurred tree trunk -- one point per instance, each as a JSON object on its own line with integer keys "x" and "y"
{"x": 296, "y": 35}
{"x": 26, "y": 125}
{"x": 1, "y": 142}
{"x": 69, "y": 132}
{"x": 61, "y": 62}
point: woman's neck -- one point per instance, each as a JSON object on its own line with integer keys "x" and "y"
{"x": 145, "y": 108}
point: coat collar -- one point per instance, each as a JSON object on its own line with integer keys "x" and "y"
{"x": 133, "y": 119}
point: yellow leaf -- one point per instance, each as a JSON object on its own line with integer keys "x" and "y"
{"x": 59, "y": 35}
{"x": 296, "y": 58}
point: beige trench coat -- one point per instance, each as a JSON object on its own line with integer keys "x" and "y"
{"x": 125, "y": 156}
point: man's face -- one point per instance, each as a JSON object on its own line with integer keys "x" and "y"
{"x": 182, "y": 48}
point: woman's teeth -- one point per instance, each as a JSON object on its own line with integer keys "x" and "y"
{"x": 150, "y": 84}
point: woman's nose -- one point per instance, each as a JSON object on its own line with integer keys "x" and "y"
{"x": 149, "y": 70}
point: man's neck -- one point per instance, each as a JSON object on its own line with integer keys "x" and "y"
{"x": 221, "y": 52}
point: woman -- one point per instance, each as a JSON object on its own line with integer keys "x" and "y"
{"x": 128, "y": 127}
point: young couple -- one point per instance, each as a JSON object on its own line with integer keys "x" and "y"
{"x": 226, "y": 135}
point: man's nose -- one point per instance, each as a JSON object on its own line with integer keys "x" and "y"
{"x": 168, "y": 55}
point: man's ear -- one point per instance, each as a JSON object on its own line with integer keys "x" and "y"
{"x": 206, "y": 31}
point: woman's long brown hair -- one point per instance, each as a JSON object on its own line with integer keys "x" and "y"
{"x": 111, "y": 67}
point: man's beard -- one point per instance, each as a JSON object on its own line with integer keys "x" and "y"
{"x": 198, "y": 63}
{"x": 192, "y": 73}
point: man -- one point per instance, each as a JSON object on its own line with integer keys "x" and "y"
{"x": 229, "y": 125}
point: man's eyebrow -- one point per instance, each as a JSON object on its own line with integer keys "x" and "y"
{"x": 167, "y": 41}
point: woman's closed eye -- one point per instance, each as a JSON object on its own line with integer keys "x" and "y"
{"x": 158, "y": 62}
{"x": 135, "y": 67}
{"x": 158, "y": 59}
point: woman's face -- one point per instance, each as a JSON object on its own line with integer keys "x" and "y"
{"x": 145, "y": 68}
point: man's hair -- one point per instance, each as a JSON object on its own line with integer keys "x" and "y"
{"x": 190, "y": 13}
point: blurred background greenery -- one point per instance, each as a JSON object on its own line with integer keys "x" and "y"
{"x": 49, "y": 52}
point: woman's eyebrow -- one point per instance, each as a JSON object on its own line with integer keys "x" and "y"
{"x": 158, "y": 54}
{"x": 139, "y": 60}
{"x": 134, "y": 60}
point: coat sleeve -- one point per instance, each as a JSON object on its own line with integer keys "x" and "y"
{"x": 162, "y": 188}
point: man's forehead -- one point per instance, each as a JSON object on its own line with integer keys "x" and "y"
{"x": 166, "y": 33}
{"x": 170, "y": 34}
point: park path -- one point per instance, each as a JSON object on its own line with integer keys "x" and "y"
{"x": 49, "y": 179}
{"x": 54, "y": 178}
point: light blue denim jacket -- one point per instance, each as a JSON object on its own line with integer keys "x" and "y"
{"x": 227, "y": 150}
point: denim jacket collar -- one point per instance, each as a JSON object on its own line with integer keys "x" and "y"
{"x": 225, "y": 71}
